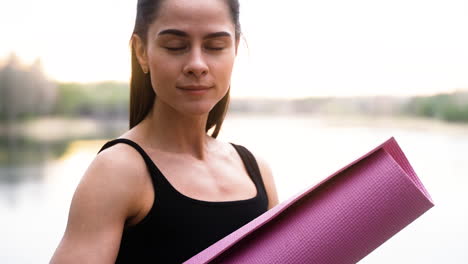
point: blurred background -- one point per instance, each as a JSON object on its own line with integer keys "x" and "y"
{"x": 316, "y": 85}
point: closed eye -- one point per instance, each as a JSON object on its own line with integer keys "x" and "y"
{"x": 175, "y": 48}
{"x": 216, "y": 44}
{"x": 215, "y": 48}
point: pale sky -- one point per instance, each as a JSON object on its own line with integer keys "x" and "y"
{"x": 296, "y": 48}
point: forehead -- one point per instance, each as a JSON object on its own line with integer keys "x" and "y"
{"x": 194, "y": 16}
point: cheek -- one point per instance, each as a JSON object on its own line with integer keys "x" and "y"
{"x": 164, "y": 72}
{"x": 223, "y": 69}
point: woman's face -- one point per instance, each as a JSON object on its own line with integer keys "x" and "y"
{"x": 190, "y": 52}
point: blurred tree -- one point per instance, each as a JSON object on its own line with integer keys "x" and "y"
{"x": 103, "y": 100}
{"x": 451, "y": 107}
{"x": 24, "y": 91}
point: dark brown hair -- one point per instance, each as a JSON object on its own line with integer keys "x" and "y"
{"x": 142, "y": 95}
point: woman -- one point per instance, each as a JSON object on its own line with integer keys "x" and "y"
{"x": 127, "y": 209}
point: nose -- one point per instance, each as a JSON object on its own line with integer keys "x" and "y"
{"x": 196, "y": 65}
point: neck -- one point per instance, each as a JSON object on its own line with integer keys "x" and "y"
{"x": 169, "y": 130}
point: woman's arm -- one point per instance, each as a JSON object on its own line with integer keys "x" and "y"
{"x": 104, "y": 199}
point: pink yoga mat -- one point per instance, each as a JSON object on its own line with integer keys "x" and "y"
{"x": 340, "y": 220}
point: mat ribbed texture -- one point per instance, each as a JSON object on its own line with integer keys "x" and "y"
{"x": 340, "y": 220}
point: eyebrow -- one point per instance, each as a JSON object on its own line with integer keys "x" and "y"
{"x": 181, "y": 33}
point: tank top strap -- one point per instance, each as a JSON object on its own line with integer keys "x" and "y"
{"x": 152, "y": 168}
{"x": 251, "y": 166}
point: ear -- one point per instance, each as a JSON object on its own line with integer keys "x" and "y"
{"x": 237, "y": 44}
{"x": 140, "y": 52}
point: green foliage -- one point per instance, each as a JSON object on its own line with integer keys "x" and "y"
{"x": 449, "y": 107}
{"x": 26, "y": 93}
{"x": 105, "y": 99}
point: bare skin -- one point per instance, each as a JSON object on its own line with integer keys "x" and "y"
{"x": 116, "y": 190}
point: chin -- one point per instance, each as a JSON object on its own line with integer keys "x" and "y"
{"x": 197, "y": 108}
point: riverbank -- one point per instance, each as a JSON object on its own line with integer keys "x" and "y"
{"x": 53, "y": 129}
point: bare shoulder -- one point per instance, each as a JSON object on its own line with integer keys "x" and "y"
{"x": 116, "y": 171}
{"x": 105, "y": 198}
{"x": 117, "y": 175}
{"x": 268, "y": 179}
{"x": 120, "y": 163}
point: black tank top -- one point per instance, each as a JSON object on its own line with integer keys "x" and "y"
{"x": 177, "y": 227}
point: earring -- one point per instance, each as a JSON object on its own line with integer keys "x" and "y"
{"x": 145, "y": 71}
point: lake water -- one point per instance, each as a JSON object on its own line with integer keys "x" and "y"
{"x": 302, "y": 150}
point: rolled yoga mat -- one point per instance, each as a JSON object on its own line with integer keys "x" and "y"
{"x": 340, "y": 220}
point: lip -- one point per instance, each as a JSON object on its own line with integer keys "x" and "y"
{"x": 194, "y": 89}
